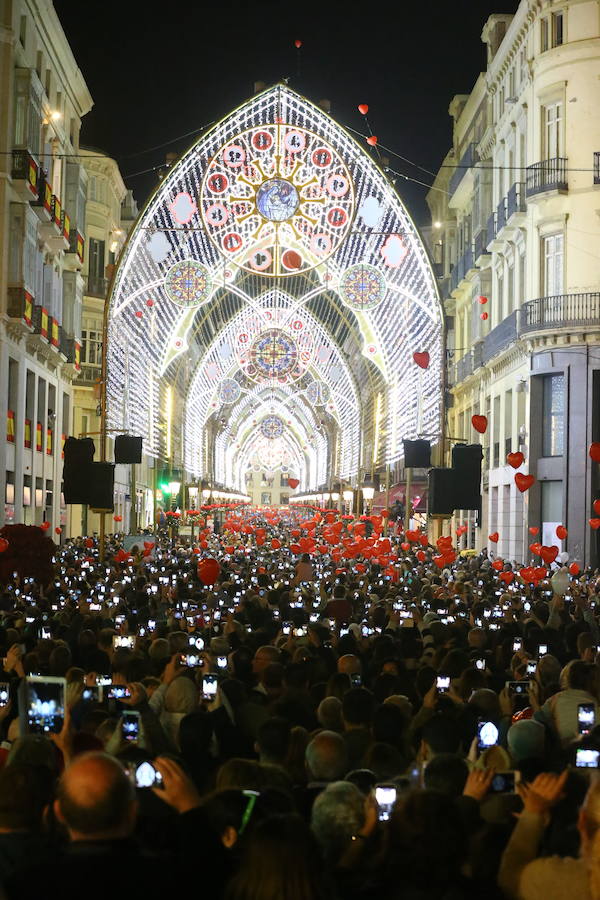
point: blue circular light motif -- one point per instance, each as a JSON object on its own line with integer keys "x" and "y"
{"x": 228, "y": 391}
{"x": 277, "y": 199}
{"x": 318, "y": 393}
{"x": 271, "y": 427}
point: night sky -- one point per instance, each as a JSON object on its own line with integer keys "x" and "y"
{"x": 156, "y": 76}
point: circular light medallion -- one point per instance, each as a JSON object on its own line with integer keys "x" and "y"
{"x": 362, "y": 287}
{"x": 273, "y": 354}
{"x": 271, "y": 427}
{"x": 188, "y": 283}
{"x": 318, "y": 393}
{"x": 228, "y": 391}
{"x": 277, "y": 199}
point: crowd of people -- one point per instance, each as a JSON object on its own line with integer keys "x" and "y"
{"x": 238, "y": 718}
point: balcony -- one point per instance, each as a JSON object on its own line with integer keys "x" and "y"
{"x": 561, "y": 311}
{"x": 464, "y": 367}
{"x": 480, "y": 243}
{"x": 20, "y": 307}
{"x": 25, "y": 174}
{"x": 467, "y": 161}
{"x": 597, "y": 167}
{"x": 515, "y": 200}
{"x": 491, "y": 229}
{"x": 500, "y": 337}
{"x": 501, "y": 215}
{"x": 43, "y": 205}
{"x": 548, "y": 175}
{"x": 477, "y": 352}
{"x": 96, "y": 287}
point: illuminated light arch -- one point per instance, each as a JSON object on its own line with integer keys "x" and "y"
{"x": 275, "y": 209}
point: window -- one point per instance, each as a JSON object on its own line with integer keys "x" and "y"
{"x": 544, "y": 34}
{"x": 553, "y": 251}
{"x": 96, "y": 258}
{"x": 91, "y": 191}
{"x": 553, "y": 415}
{"x": 283, "y": 479}
{"x": 23, "y": 31}
{"x": 553, "y": 127}
{"x": 91, "y": 347}
{"x": 265, "y": 499}
{"x": 521, "y": 294}
{"x": 552, "y": 509}
{"x": 557, "y": 29}
{"x": 284, "y": 499}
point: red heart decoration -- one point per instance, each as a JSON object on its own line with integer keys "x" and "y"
{"x": 524, "y": 482}
{"x": 498, "y": 565}
{"x": 422, "y": 359}
{"x": 533, "y": 529}
{"x": 372, "y": 140}
{"x": 549, "y": 554}
{"x": 515, "y": 459}
{"x": 4, "y": 545}
{"x": 482, "y": 300}
{"x": 484, "y": 315}
{"x": 444, "y": 543}
{"x": 597, "y": 507}
{"x": 297, "y": 44}
{"x": 536, "y": 548}
{"x": 293, "y": 483}
{"x": 594, "y": 451}
{"x": 449, "y": 557}
{"x": 405, "y": 546}
{"x": 540, "y": 572}
{"x": 527, "y": 574}
{"x": 507, "y": 577}
{"x": 421, "y": 555}
{"x": 479, "y": 423}
{"x": 561, "y": 532}
{"x": 45, "y": 526}
{"x": 439, "y": 560}
{"x": 574, "y": 569}
{"x": 595, "y": 524}
{"x": 423, "y": 540}
{"x": 494, "y": 537}
{"x": 363, "y": 108}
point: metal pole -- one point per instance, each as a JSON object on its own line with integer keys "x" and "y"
{"x": 133, "y": 526}
{"x": 407, "y": 498}
{"x": 387, "y": 496}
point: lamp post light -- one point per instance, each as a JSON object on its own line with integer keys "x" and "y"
{"x": 348, "y": 496}
{"x": 326, "y": 497}
{"x": 368, "y": 492}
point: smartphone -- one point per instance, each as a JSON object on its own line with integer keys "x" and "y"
{"x": 480, "y": 664}
{"x": 118, "y": 692}
{"x": 130, "y": 722}
{"x": 586, "y": 759}
{"x": 42, "y": 704}
{"x": 487, "y": 735}
{"x": 4, "y": 693}
{"x": 518, "y": 687}
{"x": 356, "y": 680}
{"x": 385, "y": 797}
{"x": 586, "y": 717}
{"x": 93, "y": 693}
{"x": 103, "y": 680}
{"x": 145, "y": 775}
{"x": 531, "y": 666}
{"x": 151, "y": 624}
{"x": 286, "y": 628}
{"x": 542, "y": 649}
{"x": 505, "y": 782}
{"x": 442, "y": 684}
{"x": 209, "y": 687}
{"x": 221, "y": 662}
{"x": 121, "y": 640}
{"x": 190, "y": 660}
{"x": 517, "y": 644}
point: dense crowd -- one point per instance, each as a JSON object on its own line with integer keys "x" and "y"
{"x": 298, "y": 725}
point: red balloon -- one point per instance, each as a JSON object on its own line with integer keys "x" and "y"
{"x": 527, "y": 574}
{"x": 549, "y": 554}
{"x": 597, "y": 507}
{"x": 421, "y": 555}
{"x": 561, "y": 532}
{"x": 498, "y": 565}
{"x": 494, "y": 537}
{"x": 524, "y": 482}
{"x": 58, "y": 530}
{"x": 423, "y": 540}
{"x": 515, "y": 459}
{"x": 507, "y": 577}
{"x": 363, "y": 108}
{"x": 574, "y": 569}
{"x": 293, "y": 483}
{"x": 297, "y": 44}
{"x": 422, "y": 359}
{"x": 275, "y": 544}
{"x": 150, "y": 303}
{"x": 540, "y": 572}
{"x": 594, "y": 451}
{"x": 118, "y": 518}
{"x": 372, "y": 140}
{"x": 385, "y": 513}
{"x": 138, "y": 314}
{"x": 484, "y": 315}
{"x": 479, "y": 423}
{"x": 536, "y": 548}
{"x": 295, "y": 548}
{"x": 3, "y": 545}
{"x": 482, "y": 300}
{"x": 208, "y": 570}
{"x": 405, "y": 545}
{"x": 89, "y": 543}
{"x": 533, "y": 529}
{"x": 45, "y": 526}
{"x": 595, "y": 524}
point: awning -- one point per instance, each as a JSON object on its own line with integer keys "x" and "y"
{"x": 418, "y": 495}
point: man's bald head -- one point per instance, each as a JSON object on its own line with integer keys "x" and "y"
{"x": 96, "y": 799}
{"x": 263, "y": 657}
{"x": 349, "y": 664}
{"x": 326, "y": 756}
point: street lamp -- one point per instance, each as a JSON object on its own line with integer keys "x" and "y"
{"x": 348, "y": 499}
{"x": 368, "y": 492}
{"x": 326, "y": 497}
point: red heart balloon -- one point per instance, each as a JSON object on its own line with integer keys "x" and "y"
{"x": 494, "y": 537}
{"x": 484, "y": 315}
{"x": 561, "y": 532}
{"x": 422, "y": 359}
{"x": 3, "y": 545}
{"x": 594, "y": 451}
{"x": 439, "y": 561}
{"x": 527, "y": 573}
{"x": 574, "y": 569}
{"x": 421, "y": 555}
{"x": 363, "y": 108}
{"x": 595, "y": 524}
{"x": 498, "y": 565}
{"x": 597, "y": 507}
{"x": 208, "y": 570}
{"x": 479, "y": 423}
{"x": 444, "y": 542}
{"x": 540, "y": 572}
{"x": 507, "y": 577}
{"x": 533, "y": 529}
{"x": 482, "y": 300}
{"x": 423, "y": 540}
{"x": 405, "y": 546}
{"x": 515, "y": 459}
{"x": 293, "y": 483}
{"x": 549, "y": 554}
{"x": 297, "y": 44}
{"x": 536, "y": 548}
{"x": 372, "y": 140}
{"x": 523, "y": 482}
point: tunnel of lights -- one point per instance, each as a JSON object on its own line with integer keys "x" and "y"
{"x": 265, "y": 309}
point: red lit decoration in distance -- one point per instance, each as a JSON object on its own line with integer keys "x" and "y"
{"x": 594, "y": 451}
{"x": 363, "y": 108}
{"x": 293, "y": 483}
{"x": 297, "y": 44}
{"x": 138, "y": 314}
{"x": 494, "y": 537}
{"x": 484, "y": 316}
{"x": 208, "y": 570}
{"x": 422, "y": 359}
{"x": 561, "y": 532}
{"x": 150, "y": 302}
{"x": 479, "y": 423}
{"x": 574, "y": 569}
{"x": 482, "y": 300}
{"x": 372, "y": 140}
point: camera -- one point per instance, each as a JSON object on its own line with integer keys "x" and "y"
{"x": 586, "y": 759}
{"x": 145, "y": 775}
{"x": 442, "y": 684}
{"x": 586, "y": 717}
{"x": 190, "y": 660}
{"x": 487, "y": 735}
{"x": 131, "y": 725}
{"x": 209, "y": 687}
{"x": 385, "y": 797}
{"x": 42, "y": 704}
{"x": 118, "y": 692}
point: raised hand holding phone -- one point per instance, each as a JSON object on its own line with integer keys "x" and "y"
{"x": 178, "y": 790}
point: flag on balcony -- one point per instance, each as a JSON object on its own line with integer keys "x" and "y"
{"x": 28, "y": 309}
{"x": 80, "y": 245}
{"x": 38, "y": 437}
{"x": 63, "y": 438}
{"x": 27, "y": 441}
{"x": 77, "y": 356}
{"x": 48, "y": 441}
{"x": 44, "y": 322}
{"x": 54, "y": 333}
{"x": 10, "y": 426}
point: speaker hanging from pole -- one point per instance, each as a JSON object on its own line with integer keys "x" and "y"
{"x": 79, "y": 457}
{"x": 128, "y": 449}
{"x": 102, "y": 487}
{"x": 417, "y": 454}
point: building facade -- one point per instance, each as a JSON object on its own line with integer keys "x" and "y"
{"x": 515, "y": 233}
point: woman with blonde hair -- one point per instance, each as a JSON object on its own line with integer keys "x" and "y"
{"x": 522, "y": 876}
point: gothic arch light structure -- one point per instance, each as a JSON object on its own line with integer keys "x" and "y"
{"x": 275, "y": 271}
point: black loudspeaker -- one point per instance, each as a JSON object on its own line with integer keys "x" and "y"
{"x": 102, "y": 487}
{"x": 441, "y": 492}
{"x": 128, "y": 449}
{"x": 79, "y": 455}
{"x": 466, "y": 462}
{"x": 417, "y": 454}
